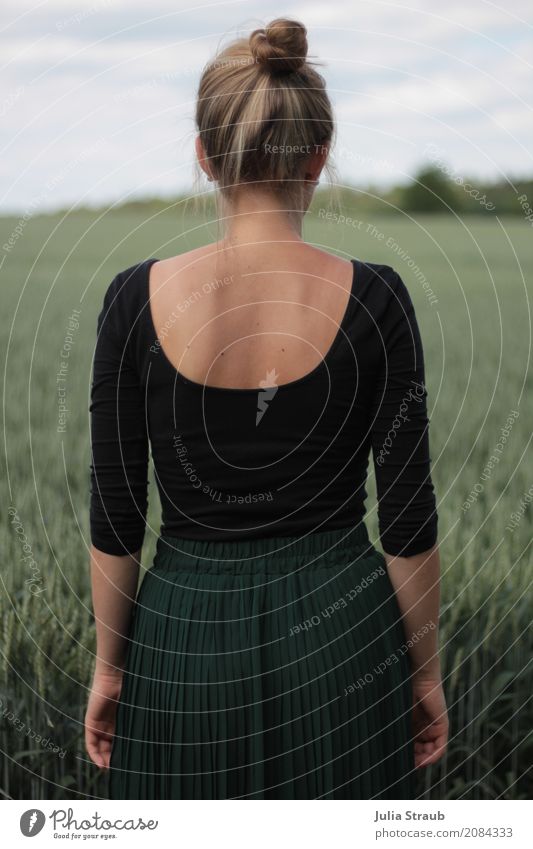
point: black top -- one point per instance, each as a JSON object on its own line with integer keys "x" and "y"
{"x": 235, "y": 463}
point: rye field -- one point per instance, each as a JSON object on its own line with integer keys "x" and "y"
{"x": 471, "y": 282}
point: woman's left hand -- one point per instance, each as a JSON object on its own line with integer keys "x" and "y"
{"x": 100, "y": 716}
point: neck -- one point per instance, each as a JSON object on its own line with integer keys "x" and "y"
{"x": 254, "y": 216}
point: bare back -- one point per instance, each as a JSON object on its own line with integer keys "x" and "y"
{"x": 258, "y": 315}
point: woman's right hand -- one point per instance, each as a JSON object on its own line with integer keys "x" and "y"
{"x": 430, "y": 718}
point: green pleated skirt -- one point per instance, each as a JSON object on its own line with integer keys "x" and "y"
{"x": 271, "y": 668}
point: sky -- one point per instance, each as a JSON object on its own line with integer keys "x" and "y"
{"x": 97, "y": 99}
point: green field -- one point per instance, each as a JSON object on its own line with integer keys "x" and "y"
{"x": 476, "y": 329}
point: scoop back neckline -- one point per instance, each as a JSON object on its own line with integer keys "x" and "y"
{"x": 242, "y": 390}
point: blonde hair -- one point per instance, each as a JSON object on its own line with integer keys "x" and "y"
{"x": 262, "y": 109}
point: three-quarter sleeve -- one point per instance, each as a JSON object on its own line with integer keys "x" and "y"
{"x": 407, "y": 511}
{"x": 119, "y": 439}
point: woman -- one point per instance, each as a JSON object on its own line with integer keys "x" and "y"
{"x": 272, "y": 651}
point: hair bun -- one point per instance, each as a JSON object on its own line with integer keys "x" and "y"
{"x": 281, "y": 48}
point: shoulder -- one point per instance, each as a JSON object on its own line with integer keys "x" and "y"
{"x": 187, "y": 258}
{"x": 121, "y": 323}
{"x": 388, "y": 306}
{"x": 383, "y": 288}
{"x": 127, "y": 283}
{"x": 383, "y": 278}
{"x": 125, "y": 294}
{"x": 182, "y": 270}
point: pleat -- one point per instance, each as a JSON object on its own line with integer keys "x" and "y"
{"x": 225, "y": 697}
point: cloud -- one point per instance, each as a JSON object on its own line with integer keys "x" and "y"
{"x": 117, "y": 81}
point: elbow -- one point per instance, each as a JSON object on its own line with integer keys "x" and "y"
{"x": 409, "y": 533}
